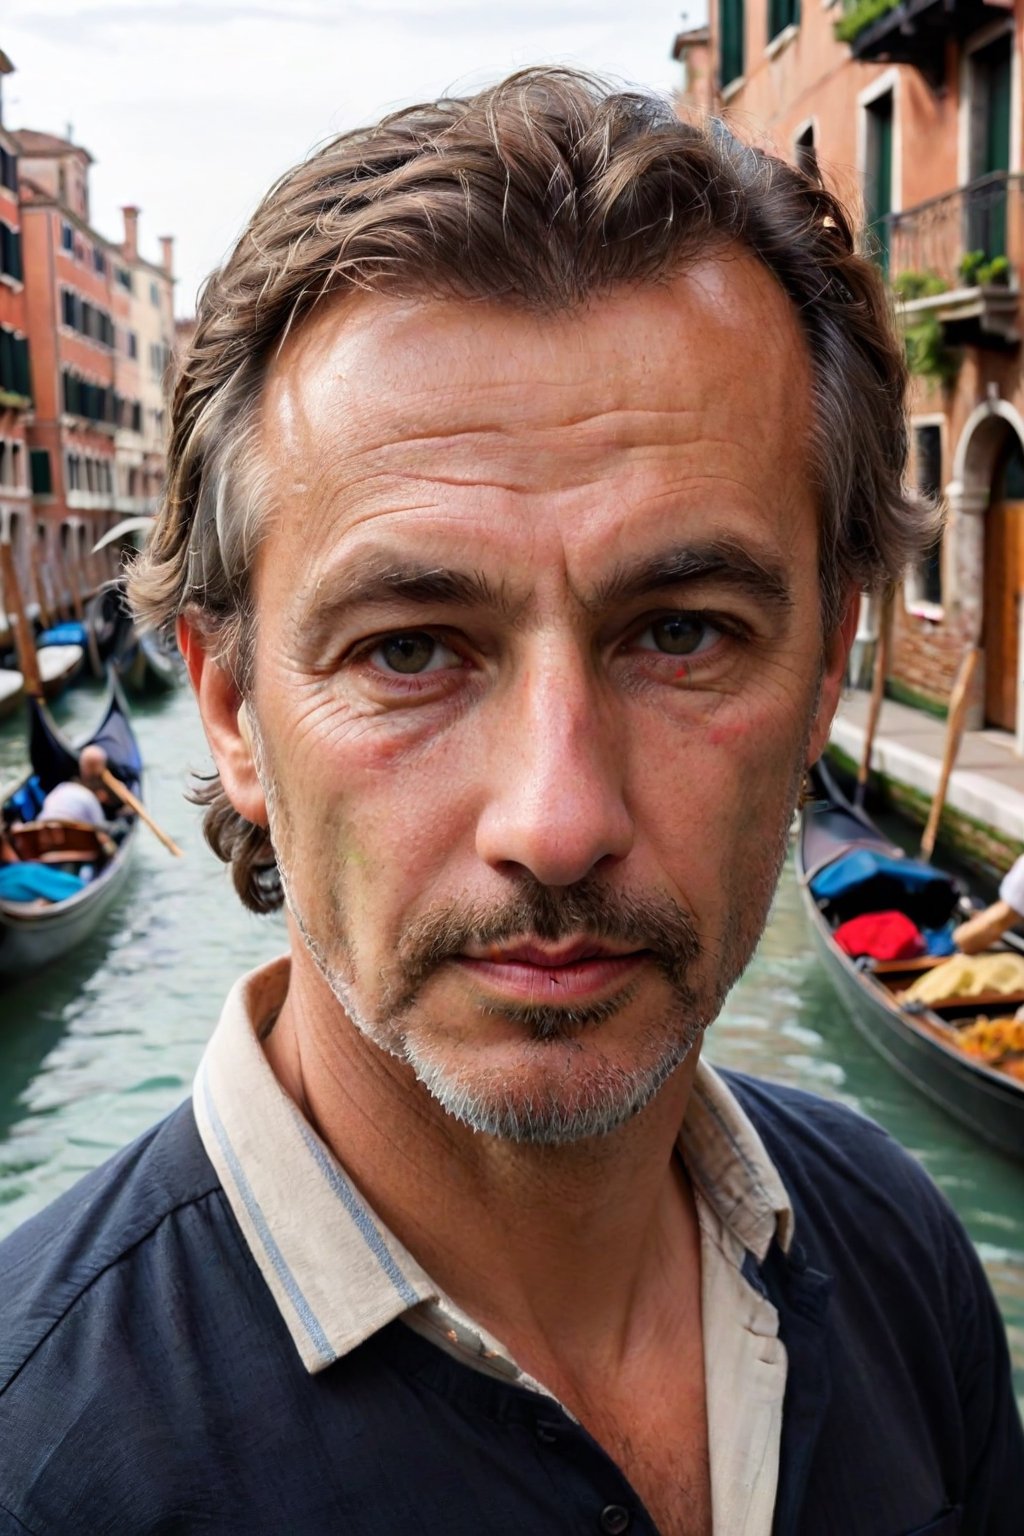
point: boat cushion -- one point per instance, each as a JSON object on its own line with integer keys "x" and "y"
{"x": 37, "y": 882}
{"x": 882, "y": 935}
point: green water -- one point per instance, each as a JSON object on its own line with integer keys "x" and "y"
{"x": 95, "y": 1050}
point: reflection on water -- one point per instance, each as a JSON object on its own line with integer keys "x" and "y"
{"x": 95, "y": 1050}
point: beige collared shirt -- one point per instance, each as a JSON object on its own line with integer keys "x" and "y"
{"x": 338, "y": 1275}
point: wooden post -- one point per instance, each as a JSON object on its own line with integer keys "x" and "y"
{"x": 76, "y": 590}
{"x": 45, "y": 616}
{"x": 24, "y": 640}
{"x": 954, "y": 731}
{"x": 877, "y": 694}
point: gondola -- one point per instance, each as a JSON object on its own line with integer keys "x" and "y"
{"x": 33, "y": 935}
{"x": 930, "y": 1044}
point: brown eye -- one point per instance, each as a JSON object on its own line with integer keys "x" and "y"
{"x": 680, "y": 635}
{"x": 408, "y": 653}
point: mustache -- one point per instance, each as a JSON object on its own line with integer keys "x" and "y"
{"x": 589, "y": 910}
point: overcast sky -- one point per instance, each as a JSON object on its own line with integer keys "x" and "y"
{"x": 191, "y": 108}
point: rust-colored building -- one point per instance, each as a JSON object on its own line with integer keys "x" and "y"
{"x": 913, "y": 113}
{"x": 68, "y": 279}
{"x": 15, "y": 365}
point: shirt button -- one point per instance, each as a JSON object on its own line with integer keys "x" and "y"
{"x": 547, "y": 1434}
{"x": 615, "y": 1518}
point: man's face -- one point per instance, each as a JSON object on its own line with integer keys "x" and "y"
{"x": 538, "y": 666}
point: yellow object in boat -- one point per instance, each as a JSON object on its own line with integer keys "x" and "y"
{"x": 968, "y": 976}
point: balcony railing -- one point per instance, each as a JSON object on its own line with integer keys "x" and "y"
{"x": 935, "y": 236}
{"x": 915, "y": 31}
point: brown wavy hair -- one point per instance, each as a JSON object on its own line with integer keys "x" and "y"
{"x": 543, "y": 192}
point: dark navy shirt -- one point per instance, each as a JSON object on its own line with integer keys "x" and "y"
{"x": 149, "y": 1384}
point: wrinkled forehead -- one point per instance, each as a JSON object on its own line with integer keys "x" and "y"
{"x": 382, "y": 406}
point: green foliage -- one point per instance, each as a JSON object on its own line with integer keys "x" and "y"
{"x": 859, "y": 16}
{"x": 927, "y": 354}
{"x": 977, "y": 270}
{"x": 918, "y": 285}
{"x": 971, "y": 263}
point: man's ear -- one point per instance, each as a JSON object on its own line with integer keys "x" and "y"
{"x": 226, "y": 723}
{"x": 837, "y": 652}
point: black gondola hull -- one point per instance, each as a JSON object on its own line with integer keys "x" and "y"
{"x": 988, "y": 1102}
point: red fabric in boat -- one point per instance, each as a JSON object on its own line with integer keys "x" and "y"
{"x": 882, "y": 935}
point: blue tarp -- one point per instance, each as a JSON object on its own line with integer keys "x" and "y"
{"x": 63, "y": 634}
{"x": 864, "y": 881}
{"x": 855, "y": 868}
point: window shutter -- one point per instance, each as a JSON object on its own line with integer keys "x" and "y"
{"x": 42, "y": 475}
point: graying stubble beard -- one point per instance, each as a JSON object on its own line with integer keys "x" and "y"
{"x": 530, "y": 1120}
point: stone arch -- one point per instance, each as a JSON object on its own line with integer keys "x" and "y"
{"x": 981, "y": 446}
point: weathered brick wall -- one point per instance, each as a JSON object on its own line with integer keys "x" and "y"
{"x": 927, "y": 653}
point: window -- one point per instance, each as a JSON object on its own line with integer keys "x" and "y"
{"x": 136, "y": 416}
{"x": 154, "y": 294}
{"x": 124, "y": 277}
{"x": 8, "y": 170}
{"x": 133, "y": 344}
{"x": 10, "y": 252}
{"x": 806, "y": 154}
{"x": 782, "y": 14}
{"x": 99, "y": 261}
{"x": 22, "y": 368}
{"x": 878, "y": 175}
{"x": 927, "y": 583}
{"x": 88, "y": 319}
{"x": 15, "y": 376}
{"x": 989, "y": 147}
{"x": 42, "y": 475}
{"x": 731, "y": 22}
{"x": 16, "y": 464}
{"x": 67, "y": 237}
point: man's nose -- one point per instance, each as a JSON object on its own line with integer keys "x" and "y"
{"x": 555, "y": 803}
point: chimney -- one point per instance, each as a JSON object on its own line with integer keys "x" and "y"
{"x": 130, "y": 245}
{"x": 167, "y": 254}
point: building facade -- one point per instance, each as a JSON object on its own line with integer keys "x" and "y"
{"x": 913, "y": 114}
{"x": 15, "y": 362}
{"x": 100, "y": 328}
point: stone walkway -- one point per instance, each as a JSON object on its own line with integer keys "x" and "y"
{"x": 987, "y": 782}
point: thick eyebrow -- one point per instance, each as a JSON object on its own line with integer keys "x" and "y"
{"x": 375, "y": 580}
{"x": 723, "y": 561}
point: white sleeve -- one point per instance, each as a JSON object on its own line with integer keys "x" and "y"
{"x": 1012, "y": 888}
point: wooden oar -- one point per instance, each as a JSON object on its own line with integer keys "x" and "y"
{"x": 877, "y": 695}
{"x": 124, "y": 793}
{"x": 24, "y": 640}
{"x": 954, "y": 731}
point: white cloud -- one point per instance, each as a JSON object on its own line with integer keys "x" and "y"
{"x": 192, "y": 109}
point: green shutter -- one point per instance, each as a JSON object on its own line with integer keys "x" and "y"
{"x": 22, "y": 371}
{"x": 731, "y": 22}
{"x": 42, "y": 477}
{"x": 878, "y": 191}
{"x": 782, "y": 14}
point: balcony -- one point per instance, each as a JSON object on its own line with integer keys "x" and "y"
{"x": 955, "y": 258}
{"x": 914, "y": 31}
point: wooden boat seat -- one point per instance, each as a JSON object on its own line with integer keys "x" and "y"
{"x": 57, "y": 842}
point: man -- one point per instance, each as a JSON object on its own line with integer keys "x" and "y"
{"x": 527, "y": 460}
{"x": 80, "y": 799}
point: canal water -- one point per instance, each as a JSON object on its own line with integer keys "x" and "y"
{"x": 107, "y": 1041}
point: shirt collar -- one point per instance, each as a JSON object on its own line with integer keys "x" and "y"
{"x": 336, "y": 1273}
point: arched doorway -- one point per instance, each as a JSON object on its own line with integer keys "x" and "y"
{"x": 1003, "y": 584}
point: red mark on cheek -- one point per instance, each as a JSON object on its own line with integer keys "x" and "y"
{"x": 725, "y": 735}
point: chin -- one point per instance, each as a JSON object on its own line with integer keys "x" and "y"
{"x": 551, "y": 1093}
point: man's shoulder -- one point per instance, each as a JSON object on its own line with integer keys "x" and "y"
{"x": 837, "y": 1163}
{"x": 106, "y": 1220}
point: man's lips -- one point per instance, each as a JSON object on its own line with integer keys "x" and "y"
{"x": 552, "y": 973}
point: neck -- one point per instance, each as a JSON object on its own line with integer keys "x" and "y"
{"x": 571, "y": 1246}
